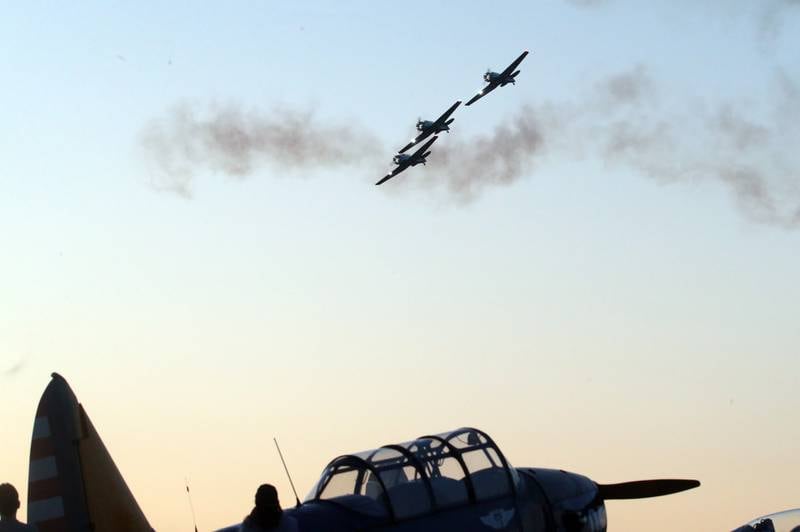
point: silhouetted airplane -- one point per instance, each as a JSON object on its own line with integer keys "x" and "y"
{"x": 786, "y": 521}
{"x": 494, "y": 80}
{"x": 404, "y": 160}
{"x": 426, "y": 127}
{"x": 459, "y": 480}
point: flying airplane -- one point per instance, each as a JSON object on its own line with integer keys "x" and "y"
{"x": 494, "y": 80}
{"x": 404, "y": 160}
{"x": 457, "y": 480}
{"x": 426, "y": 127}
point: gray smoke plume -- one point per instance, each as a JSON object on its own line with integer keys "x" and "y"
{"x": 773, "y": 13}
{"x": 624, "y": 120}
{"x": 464, "y": 168}
{"x": 13, "y": 370}
{"x": 749, "y": 149}
{"x": 229, "y": 141}
{"x": 768, "y": 16}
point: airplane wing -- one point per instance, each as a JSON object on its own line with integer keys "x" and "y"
{"x": 422, "y": 149}
{"x": 391, "y": 174}
{"x": 418, "y": 138}
{"x": 439, "y": 121}
{"x": 483, "y": 92}
{"x": 513, "y": 65}
{"x": 442, "y": 119}
{"x": 416, "y": 155}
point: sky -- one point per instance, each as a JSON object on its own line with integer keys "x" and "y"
{"x": 600, "y": 270}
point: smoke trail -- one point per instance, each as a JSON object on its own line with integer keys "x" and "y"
{"x": 771, "y": 20}
{"x": 622, "y": 120}
{"x": 13, "y": 370}
{"x": 746, "y": 148}
{"x": 768, "y": 16}
{"x": 234, "y": 143}
{"x": 464, "y": 168}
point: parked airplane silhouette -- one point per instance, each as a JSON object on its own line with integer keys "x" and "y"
{"x": 459, "y": 480}
{"x": 494, "y": 80}
{"x": 785, "y": 521}
{"x": 404, "y": 160}
{"x": 427, "y": 127}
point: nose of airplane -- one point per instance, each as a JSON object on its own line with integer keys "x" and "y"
{"x": 576, "y": 498}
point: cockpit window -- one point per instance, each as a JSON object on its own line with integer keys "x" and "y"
{"x": 443, "y": 469}
{"x": 466, "y": 438}
{"x": 418, "y": 477}
{"x": 405, "y": 486}
{"x": 347, "y": 481}
{"x": 342, "y": 482}
{"x": 489, "y": 477}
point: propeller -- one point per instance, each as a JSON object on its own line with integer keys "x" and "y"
{"x": 643, "y": 489}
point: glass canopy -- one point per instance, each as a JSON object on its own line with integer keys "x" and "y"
{"x": 787, "y": 521}
{"x": 417, "y": 477}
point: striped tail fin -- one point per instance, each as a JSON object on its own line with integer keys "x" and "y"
{"x": 73, "y": 483}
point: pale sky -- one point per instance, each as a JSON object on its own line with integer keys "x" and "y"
{"x": 605, "y": 314}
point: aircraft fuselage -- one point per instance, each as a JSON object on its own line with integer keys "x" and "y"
{"x": 403, "y": 159}
{"x": 426, "y": 125}
{"x": 494, "y": 77}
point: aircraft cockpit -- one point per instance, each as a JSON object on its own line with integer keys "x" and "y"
{"x": 418, "y": 477}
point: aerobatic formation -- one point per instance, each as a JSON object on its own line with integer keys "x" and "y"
{"x": 427, "y": 128}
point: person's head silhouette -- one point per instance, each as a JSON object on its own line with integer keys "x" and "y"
{"x": 267, "y": 497}
{"x": 9, "y": 501}
{"x": 267, "y": 512}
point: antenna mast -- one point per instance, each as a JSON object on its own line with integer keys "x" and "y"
{"x": 189, "y": 495}
{"x": 278, "y": 447}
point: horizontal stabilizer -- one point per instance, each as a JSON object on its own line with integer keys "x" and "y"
{"x": 643, "y": 489}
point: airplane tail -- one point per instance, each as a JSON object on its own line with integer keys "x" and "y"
{"x": 73, "y": 483}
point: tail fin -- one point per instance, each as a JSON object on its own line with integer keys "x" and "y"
{"x": 73, "y": 483}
